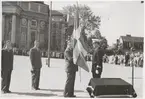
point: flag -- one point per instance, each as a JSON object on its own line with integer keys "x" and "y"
{"x": 80, "y": 47}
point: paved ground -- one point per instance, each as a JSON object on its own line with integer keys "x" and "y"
{"x": 53, "y": 79}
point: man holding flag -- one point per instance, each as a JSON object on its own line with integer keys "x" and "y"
{"x": 75, "y": 54}
{"x": 71, "y": 69}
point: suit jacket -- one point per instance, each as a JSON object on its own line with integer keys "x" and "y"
{"x": 69, "y": 64}
{"x": 7, "y": 60}
{"x": 35, "y": 57}
{"x": 97, "y": 58}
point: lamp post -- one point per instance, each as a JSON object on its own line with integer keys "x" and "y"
{"x": 49, "y": 31}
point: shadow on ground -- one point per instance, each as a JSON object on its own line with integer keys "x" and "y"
{"x": 34, "y": 94}
{"x": 59, "y": 90}
{"x": 114, "y": 96}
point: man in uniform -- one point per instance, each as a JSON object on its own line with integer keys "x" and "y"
{"x": 6, "y": 67}
{"x": 71, "y": 69}
{"x": 97, "y": 59}
{"x": 97, "y": 63}
{"x": 35, "y": 57}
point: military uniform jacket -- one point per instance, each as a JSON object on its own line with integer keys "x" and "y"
{"x": 35, "y": 58}
{"x": 97, "y": 58}
{"x": 7, "y": 60}
{"x": 69, "y": 64}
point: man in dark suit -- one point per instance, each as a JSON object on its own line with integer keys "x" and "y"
{"x": 6, "y": 67}
{"x": 35, "y": 57}
{"x": 97, "y": 60}
{"x": 71, "y": 69}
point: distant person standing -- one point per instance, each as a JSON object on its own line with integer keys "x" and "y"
{"x": 127, "y": 57}
{"x": 132, "y": 56}
{"x": 35, "y": 57}
{"x": 6, "y": 67}
{"x": 116, "y": 59}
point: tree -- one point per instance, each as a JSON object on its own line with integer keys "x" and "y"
{"x": 96, "y": 34}
{"x": 89, "y": 20}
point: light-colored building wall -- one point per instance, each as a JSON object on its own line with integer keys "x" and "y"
{"x": 25, "y": 22}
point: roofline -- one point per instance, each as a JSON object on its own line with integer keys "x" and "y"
{"x": 60, "y": 13}
{"x": 132, "y": 36}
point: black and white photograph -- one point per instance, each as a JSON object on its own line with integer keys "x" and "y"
{"x": 72, "y": 49}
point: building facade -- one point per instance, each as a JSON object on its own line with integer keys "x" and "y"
{"x": 128, "y": 41}
{"x": 58, "y": 31}
{"x": 25, "y": 22}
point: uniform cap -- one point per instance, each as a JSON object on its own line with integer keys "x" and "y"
{"x": 96, "y": 40}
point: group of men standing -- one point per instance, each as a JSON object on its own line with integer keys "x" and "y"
{"x": 35, "y": 58}
{"x": 7, "y": 66}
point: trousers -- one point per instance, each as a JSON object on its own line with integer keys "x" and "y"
{"x": 35, "y": 78}
{"x": 6, "y": 79}
{"x": 69, "y": 85}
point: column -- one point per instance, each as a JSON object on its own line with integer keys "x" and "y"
{"x": 62, "y": 37}
{"x": 3, "y": 27}
{"x": 38, "y": 36}
{"x": 29, "y": 34}
{"x": 38, "y": 30}
{"x": 13, "y": 32}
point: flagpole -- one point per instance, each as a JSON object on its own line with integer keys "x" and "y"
{"x": 49, "y": 31}
{"x": 76, "y": 26}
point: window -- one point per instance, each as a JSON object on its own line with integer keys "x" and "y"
{"x": 126, "y": 44}
{"x": 57, "y": 25}
{"x": 129, "y": 44}
{"x": 34, "y": 23}
{"x": 23, "y": 37}
{"x": 54, "y": 25}
{"x": 60, "y": 26}
{"x": 141, "y": 46}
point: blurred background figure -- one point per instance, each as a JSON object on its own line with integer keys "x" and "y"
{"x": 127, "y": 57}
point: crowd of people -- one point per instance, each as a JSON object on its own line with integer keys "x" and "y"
{"x": 25, "y": 52}
{"x": 112, "y": 59}
{"x": 125, "y": 59}
{"x": 122, "y": 59}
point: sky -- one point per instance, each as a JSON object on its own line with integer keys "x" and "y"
{"x": 118, "y": 18}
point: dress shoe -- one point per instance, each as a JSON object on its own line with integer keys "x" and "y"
{"x": 90, "y": 91}
{"x": 8, "y": 91}
{"x": 70, "y": 96}
{"x": 35, "y": 88}
{"x": 73, "y": 96}
{"x": 4, "y": 92}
